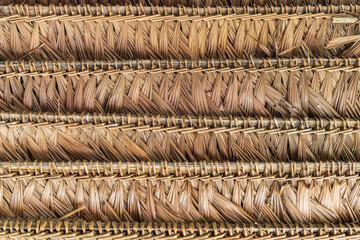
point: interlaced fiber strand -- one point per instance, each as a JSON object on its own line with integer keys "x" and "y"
{"x": 15, "y": 12}
{"x": 190, "y": 3}
{"x": 162, "y": 121}
{"x": 180, "y": 171}
{"x": 153, "y": 139}
{"x": 230, "y": 36}
{"x": 247, "y": 117}
{"x": 75, "y": 228}
{"x": 22, "y": 67}
{"x": 271, "y": 198}
{"x": 294, "y": 90}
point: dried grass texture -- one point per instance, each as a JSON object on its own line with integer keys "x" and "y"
{"x": 230, "y": 37}
{"x": 181, "y": 171}
{"x": 26, "y": 12}
{"x": 226, "y": 198}
{"x": 320, "y": 92}
{"x": 75, "y": 228}
{"x": 189, "y": 3}
{"x": 182, "y": 142}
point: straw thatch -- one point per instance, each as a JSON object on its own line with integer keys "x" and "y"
{"x": 190, "y": 3}
{"x": 205, "y": 130}
{"x": 25, "y": 12}
{"x": 320, "y": 193}
{"x": 181, "y": 171}
{"x": 76, "y": 228}
{"x": 283, "y": 91}
{"x": 181, "y": 139}
{"x": 230, "y": 36}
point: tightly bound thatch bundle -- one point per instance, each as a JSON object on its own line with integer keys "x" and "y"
{"x": 36, "y": 13}
{"x": 178, "y": 139}
{"x": 282, "y": 88}
{"x": 162, "y": 37}
{"x": 190, "y": 3}
{"x": 77, "y": 228}
{"x": 270, "y": 193}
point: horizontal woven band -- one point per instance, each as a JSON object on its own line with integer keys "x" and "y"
{"x": 39, "y": 229}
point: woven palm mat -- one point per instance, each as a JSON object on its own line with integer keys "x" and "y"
{"x": 243, "y": 123}
{"x": 178, "y": 139}
{"x": 234, "y": 192}
{"x": 144, "y": 36}
{"x": 283, "y": 88}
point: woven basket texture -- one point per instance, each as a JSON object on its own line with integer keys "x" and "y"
{"x": 179, "y": 119}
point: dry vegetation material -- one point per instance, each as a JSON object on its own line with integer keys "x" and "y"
{"x": 185, "y": 2}
{"x": 300, "y": 195}
{"x": 179, "y": 170}
{"x": 75, "y": 228}
{"x": 180, "y": 142}
{"x": 283, "y": 92}
{"x": 239, "y": 36}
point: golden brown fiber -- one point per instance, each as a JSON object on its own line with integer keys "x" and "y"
{"x": 302, "y": 196}
{"x": 189, "y": 3}
{"x": 77, "y": 228}
{"x": 300, "y": 35}
{"x": 289, "y": 91}
{"x": 184, "y": 141}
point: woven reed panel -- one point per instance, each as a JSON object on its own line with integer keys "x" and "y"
{"x": 190, "y": 3}
{"x": 269, "y": 193}
{"x": 282, "y": 92}
{"x": 181, "y": 139}
{"x": 179, "y": 119}
{"x": 237, "y": 35}
{"x": 74, "y": 228}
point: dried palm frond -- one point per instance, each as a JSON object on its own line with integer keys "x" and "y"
{"x": 85, "y": 38}
{"x": 267, "y": 193}
{"x": 130, "y": 144}
{"x": 131, "y": 138}
{"x": 284, "y": 90}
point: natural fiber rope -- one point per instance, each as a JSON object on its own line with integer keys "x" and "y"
{"x": 14, "y": 68}
{"x": 75, "y": 228}
{"x": 273, "y": 124}
{"x": 138, "y": 10}
{"x": 180, "y": 171}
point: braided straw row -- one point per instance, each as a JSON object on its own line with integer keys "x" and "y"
{"x": 22, "y": 67}
{"x": 36, "y": 12}
{"x": 75, "y": 228}
{"x": 230, "y": 36}
{"x": 179, "y": 139}
{"x": 180, "y": 171}
{"x": 287, "y": 91}
{"x": 233, "y": 198}
{"x": 190, "y": 3}
{"x": 99, "y": 156}
{"x": 113, "y": 120}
